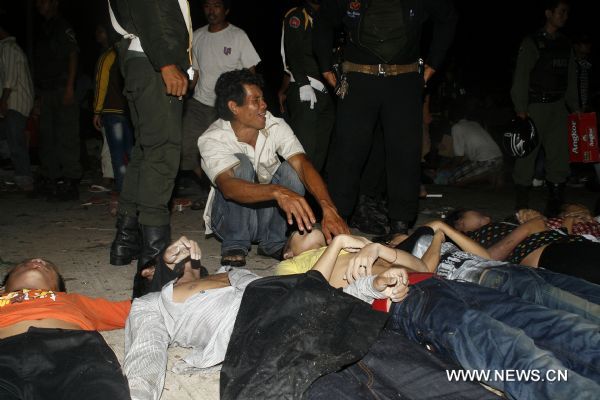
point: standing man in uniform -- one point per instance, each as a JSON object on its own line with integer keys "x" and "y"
{"x": 545, "y": 78}
{"x": 311, "y": 109}
{"x": 217, "y": 48}
{"x": 155, "y": 57}
{"x": 383, "y": 81}
{"x": 56, "y": 58}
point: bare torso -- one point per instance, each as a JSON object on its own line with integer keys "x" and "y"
{"x": 23, "y": 326}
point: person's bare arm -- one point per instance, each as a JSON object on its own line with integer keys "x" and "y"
{"x": 464, "y": 242}
{"x": 362, "y": 262}
{"x": 332, "y": 224}
{"x": 69, "y": 96}
{"x": 291, "y": 203}
{"x": 432, "y": 255}
{"x": 504, "y": 247}
{"x": 326, "y": 262}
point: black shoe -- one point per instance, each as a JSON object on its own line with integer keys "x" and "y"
{"x": 155, "y": 239}
{"x": 127, "y": 243}
{"x": 556, "y": 199}
{"x": 65, "y": 190}
{"x": 397, "y": 226}
{"x": 521, "y": 197}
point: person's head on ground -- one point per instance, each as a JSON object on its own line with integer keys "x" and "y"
{"x": 299, "y": 242}
{"x": 557, "y": 13}
{"x": 578, "y": 211}
{"x": 34, "y": 273}
{"x": 240, "y": 99}
{"x": 216, "y": 12}
{"x": 466, "y": 220}
{"x": 47, "y": 8}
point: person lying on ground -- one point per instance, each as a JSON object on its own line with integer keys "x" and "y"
{"x": 255, "y": 195}
{"x": 577, "y": 219}
{"x": 49, "y": 341}
{"x": 458, "y": 258}
{"x": 199, "y": 313}
{"x": 531, "y": 244}
{"x": 482, "y": 328}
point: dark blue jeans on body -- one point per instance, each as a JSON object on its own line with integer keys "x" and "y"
{"x": 540, "y": 287}
{"x": 396, "y": 368}
{"x": 119, "y": 136}
{"x": 484, "y": 329}
{"x": 240, "y": 225}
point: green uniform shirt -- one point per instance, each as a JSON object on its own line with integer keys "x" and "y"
{"x": 526, "y": 60}
{"x": 55, "y": 43}
{"x": 297, "y": 42}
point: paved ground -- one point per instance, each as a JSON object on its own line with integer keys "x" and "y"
{"x": 77, "y": 238}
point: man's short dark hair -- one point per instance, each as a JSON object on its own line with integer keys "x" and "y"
{"x": 62, "y": 286}
{"x": 454, "y": 216}
{"x": 552, "y": 4}
{"x": 226, "y": 3}
{"x": 230, "y": 87}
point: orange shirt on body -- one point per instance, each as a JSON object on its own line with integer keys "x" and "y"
{"x": 86, "y": 312}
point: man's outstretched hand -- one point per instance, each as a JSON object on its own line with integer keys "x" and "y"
{"x": 332, "y": 224}
{"x": 296, "y": 208}
{"x": 176, "y": 82}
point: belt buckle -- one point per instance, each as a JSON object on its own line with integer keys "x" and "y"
{"x": 380, "y": 70}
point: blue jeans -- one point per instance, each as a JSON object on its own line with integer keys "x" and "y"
{"x": 239, "y": 225}
{"x": 579, "y": 287}
{"x": 395, "y": 368}
{"x": 119, "y": 136}
{"x": 530, "y": 285}
{"x": 483, "y": 329}
{"x": 13, "y": 125}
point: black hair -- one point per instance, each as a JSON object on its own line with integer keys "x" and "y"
{"x": 454, "y": 216}
{"x": 550, "y": 5}
{"x": 226, "y": 3}
{"x": 62, "y": 286}
{"x": 230, "y": 87}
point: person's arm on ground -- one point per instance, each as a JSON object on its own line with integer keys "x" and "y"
{"x": 464, "y": 242}
{"x": 501, "y": 250}
{"x": 432, "y": 255}
{"x": 332, "y": 224}
{"x": 146, "y": 343}
{"x": 326, "y": 262}
{"x": 362, "y": 262}
{"x": 391, "y": 284}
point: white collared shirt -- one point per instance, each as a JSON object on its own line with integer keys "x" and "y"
{"x": 219, "y": 144}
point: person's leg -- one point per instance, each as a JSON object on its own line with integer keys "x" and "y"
{"x": 62, "y": 364}
{"x": 303, "y": 121}
{"x": 272, "y": 223}
{"x": 577, "y": 286}
{"x": 556, "y": 147}
{"x": 445, "y": 316}
{"x": 68, "y": 146}
{"x": 357, "y": 114}
{"x": 119, "y": 137}
{"x": 15, "y": 123}
{"x": 402, "y": 122}
{"x": 235, "y": 224}
{"x": 325, "y": 122}
{"x": 394, "y": 368}
{"x": 527, "y": 284}
{"x": 105, "y": 158}
{"x": 48, "y": 135}
{"x": 197, "y": 117}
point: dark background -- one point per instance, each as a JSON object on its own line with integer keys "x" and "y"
{"x": 484, "y": 49}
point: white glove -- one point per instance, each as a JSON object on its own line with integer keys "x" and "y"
{"x": 307, "y": 93}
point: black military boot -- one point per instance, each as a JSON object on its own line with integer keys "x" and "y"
{"x": 126, "y": 245}
{"x": 365, "y": 217}
{"x": 155, "y": 239}
{"x": 65, "y": 190}
{"x": 522, "y": 196}
{"x": 556, "y": 198}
